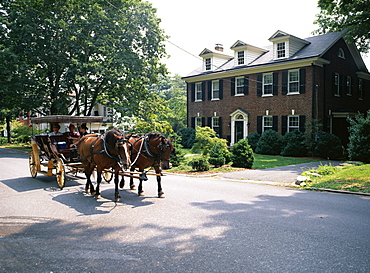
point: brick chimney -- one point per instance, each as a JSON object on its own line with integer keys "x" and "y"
{"x": 219, "y": 47}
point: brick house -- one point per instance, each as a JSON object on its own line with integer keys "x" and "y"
{"x": 283, "y": 87}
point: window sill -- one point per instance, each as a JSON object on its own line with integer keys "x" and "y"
{"x": 198, "y": 100}
{"x": 267, "y": 95}
{"x": 239, "y": 95}
{"x": 215, "y": 99}
{"x": 293, "y": 93}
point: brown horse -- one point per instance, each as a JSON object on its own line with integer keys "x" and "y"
{"x": 103, "y": 152}
{"x": 151, "y": 150}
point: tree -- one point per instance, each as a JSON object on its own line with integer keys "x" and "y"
{"x": 352, "y": 16}
{"x": 359, "y": 138}
{"x": 77, "y": 53}
{"x": 242, "y": 154}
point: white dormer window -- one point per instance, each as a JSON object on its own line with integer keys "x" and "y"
{"x": 280, "y": 50}
{"x": 207, "y": 64}
{"x": 240, "y": 57}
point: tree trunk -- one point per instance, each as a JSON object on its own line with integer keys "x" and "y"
{"x": 8, "y": 129}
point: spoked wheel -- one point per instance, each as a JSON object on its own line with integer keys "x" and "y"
{"x": 60, "y": 173}
{"x": 32, "y": 162}
{"x": 107, "y": 176}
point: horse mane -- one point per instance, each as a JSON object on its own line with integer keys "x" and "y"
{"x": 154, "y": 135}
{"x": 109, "y": 136}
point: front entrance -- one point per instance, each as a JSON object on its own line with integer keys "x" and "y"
{"x": 239, "y": 128}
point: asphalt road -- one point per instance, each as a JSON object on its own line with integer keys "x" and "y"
{"x": 203, "y": 225}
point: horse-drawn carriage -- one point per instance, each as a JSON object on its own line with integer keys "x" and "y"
{"x": 108, "y": 154}
{"x": 54, "y": 154}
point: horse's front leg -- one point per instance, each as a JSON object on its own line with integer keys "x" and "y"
{"x": 89, "y": 188}
{"x": 132, "y": 185}
{"x": 159, "y": 179}
{"x": 98, "y": 181}
{"x": 117, "y": 196}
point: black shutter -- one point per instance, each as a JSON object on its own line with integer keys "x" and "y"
{"x": 192, "y": 91}
{"x": 275, "y": 123}
{"x": 275, "y": 83}
{"x": 302, "y": 123}
{"x": 259, "y": 85}
{"x": 232, "y": 87}
{"x": 192, "y": 121}
{"x": 284, "y": 124}
{"x": 209, "y": 83}
{"x": 246, "y": 85}
{"x": 203, "y": 91}
{"x": 209, "y": 119}
{"x": 220, "y": 124}
{"x": 221, "y": 84}
{"x": 285, "y": 83}
{"x": 259, "y": 124}
{"x": 203, "y": 121}
{"x": 302, "y": 80}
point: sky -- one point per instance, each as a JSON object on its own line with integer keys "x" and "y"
{"x": 194, "y": 25}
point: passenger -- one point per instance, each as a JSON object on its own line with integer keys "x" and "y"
{"x": 72, "y": 132}
{"x": 55, "y": 131}
{"x": 83, "y": 129}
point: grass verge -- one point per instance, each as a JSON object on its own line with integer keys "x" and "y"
{"x": 347, "y": 178}
{"x": 18, "y": 146}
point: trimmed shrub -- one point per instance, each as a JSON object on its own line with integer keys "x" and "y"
{"x": 359, "y": 138}
{"x": 329, "y": 146}
{"x": 199, "y": 164}
{"x": 187, "y": 137}
{"x": 242, "y": 154}
{"x": 294, "y": 144}
{"x": 177, "y": 155}
{"x": 253, "y": 139}
{"x": 270, "y": 143}
{"x": 216, "y": 155}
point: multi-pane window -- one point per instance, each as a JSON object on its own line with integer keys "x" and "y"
{"x": 266, "y": 123}
{"x": 293, "y": 81}
{"x": 216, "y": 125}
{"x": 239, "y": 86}
{"x": 198, "y": 91}
{"x": 208, "y": 64}
{"x": 293, "y": 123}
{"x": 360, "y": 89}
{"x": 280, "y": 50}
{"x": 215, "y": 90}
{"x": 267, "y": 84}
{"x": 336, "y": 84}
{"x": 241, "y": 57}
{"x": 349, "y": 84}
{"x": 198, "y": 122}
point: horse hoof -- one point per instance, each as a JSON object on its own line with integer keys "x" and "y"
{"x": 118, "y": 199}
{"x": 141, "y": 194}
{"x": 161, "y": 195}
{"x": 132, "y": 188}
{"x": 98, "y": 196}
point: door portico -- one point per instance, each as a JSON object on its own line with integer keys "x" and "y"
{"x": 239, "y": 125}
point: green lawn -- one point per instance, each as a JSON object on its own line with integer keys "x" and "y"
{"x": 348, "y": 178}
{"x": 271, "y": 161}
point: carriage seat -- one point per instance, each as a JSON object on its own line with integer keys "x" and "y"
{"x": 43, "y": 142}
{"x": 62, "y": 143}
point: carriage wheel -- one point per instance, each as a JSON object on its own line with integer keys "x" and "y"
{"x": 32, "y": 162}
{"x": 60, "y": 173}
{"x": 107, "y": 176}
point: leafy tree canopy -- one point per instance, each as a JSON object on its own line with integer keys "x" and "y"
{"x": 71, "y": 55}
{"x": 352, "y": 16}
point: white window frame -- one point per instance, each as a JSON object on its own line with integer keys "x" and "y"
{"x": 267, "y": 123}
{"x": 216, "y": 90}
{"x": 241, "y": 59}
{"x": 341, "y": 53}
{"x": 216, "y": 124}
{"x": 198, "y": 122}
{"x": 208, "y": 64}
{"x": 294, "y": 82}
{"x": 336, "y": 85}
{"x": 267, "y": 83}
{"x": 294, "y": 127}
{"x": 239, "y": 86}
{"x": 198, "y": 91}
{"x": 281, "y": 50}
{"x": 349, "y": 86}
